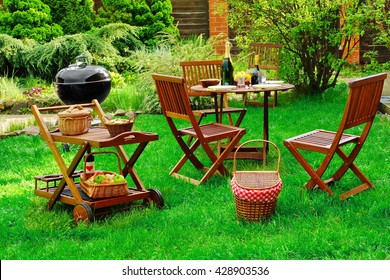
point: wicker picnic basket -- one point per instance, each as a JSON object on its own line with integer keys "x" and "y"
{"x": 256, "y": 192}
{"x": 75, "y": 120}
{"x": 94, "y": 190}
{"x": 119, "y": 125}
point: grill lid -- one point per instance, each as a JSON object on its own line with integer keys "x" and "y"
{"x": 81, "y": 73}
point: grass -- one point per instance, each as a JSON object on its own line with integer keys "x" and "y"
{"x": 199, "y": 222}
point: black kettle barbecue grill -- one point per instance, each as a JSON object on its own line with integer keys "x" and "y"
{"x": 81, "y": 83}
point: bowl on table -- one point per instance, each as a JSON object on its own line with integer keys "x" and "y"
{"x": 209, "y": 82}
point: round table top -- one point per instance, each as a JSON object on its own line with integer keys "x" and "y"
{"x": 246, "y": 89}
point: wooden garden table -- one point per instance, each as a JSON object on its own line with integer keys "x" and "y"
{"x": 247, "y": 152}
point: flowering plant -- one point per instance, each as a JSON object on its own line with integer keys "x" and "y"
{"x": 242, "y": 74}
{"x": 33, "y": 92}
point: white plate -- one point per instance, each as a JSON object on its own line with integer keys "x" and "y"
{"x": 221, "y": 87}
{"x": 274, "y": 82}
{"x": 260, "y": 86}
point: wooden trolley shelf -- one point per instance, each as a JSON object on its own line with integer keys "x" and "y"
{"x": 51, "y": 181}
{"x": 65, "y": 186}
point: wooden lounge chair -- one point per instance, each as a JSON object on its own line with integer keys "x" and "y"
{"x": 176, "y": 107}
{"x": 360, "y": 110}
{"x": 194, "y": 71}
{"x": 269, "y": 59}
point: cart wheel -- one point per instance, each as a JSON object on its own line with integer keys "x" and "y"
{"x": 146, "y": 203}
{"x": 157, "y": 198}
{"x": 82, "y": 212}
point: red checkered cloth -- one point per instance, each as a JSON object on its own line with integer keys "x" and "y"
{"x": 260, "y": 195}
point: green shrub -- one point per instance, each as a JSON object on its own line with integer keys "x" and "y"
{"x": 74, "y": 16}
{"x": 28, "y": 19}
{"x": 46, "y": 60}
{"x": 122, "y": 36}
{"x": 117, "y": 81}
{"x": 153, "y": 15}
{"x": 12, "y": 53}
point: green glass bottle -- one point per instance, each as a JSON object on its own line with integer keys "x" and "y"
{"x": 227, "y": 67}
{"x": 255, "y": 71}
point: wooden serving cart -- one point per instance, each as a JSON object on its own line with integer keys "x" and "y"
{"x": 65, "y": 186}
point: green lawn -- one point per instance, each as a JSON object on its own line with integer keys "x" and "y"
{"x": 199, "y": 222}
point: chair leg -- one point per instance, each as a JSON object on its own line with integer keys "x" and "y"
{"x": 315, "y": 175}
{"x": 349, "y": 164}
{"x": 354, "y": 191}
{"x": 275, "y": 103}
{"x": 226, "y": 104}
{"x": 188, "y": 155}
{"x": 320, "y": 171}
{"x": 218, "y": 161}
{"x": 190, "y": 138}
{"x": 240, "y": 118}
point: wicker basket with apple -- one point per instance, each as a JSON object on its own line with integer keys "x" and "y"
{"x": 103, "y": 184}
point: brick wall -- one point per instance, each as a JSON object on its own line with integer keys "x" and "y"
{"x": 354, "y": 56}
{"x": 218, "y": 21}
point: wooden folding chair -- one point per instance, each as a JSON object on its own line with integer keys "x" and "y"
{"x": 360, "y": 110}
{"x": 176, "y": 106}
{"x": 269, "y": 59}
{"x": 194, "y": 71}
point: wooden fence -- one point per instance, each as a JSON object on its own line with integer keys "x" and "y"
{"x": 191, "y": 17}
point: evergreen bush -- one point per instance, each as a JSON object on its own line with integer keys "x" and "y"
{"x": 74, "y": 16}
{"x": 28, "y": 19}
{"x": 47, "y": 59}
{"x": 124, "y": 37}
{"x": 153, "y": 15}
{"x": 12, "y": 55}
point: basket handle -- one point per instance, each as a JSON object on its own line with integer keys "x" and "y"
{"x": 105, "y": 152}
{"x": 256, "y": 140}
{"x": 71, "y": 108}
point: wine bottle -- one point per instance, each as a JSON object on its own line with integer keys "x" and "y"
{"x": 227, "y": 67}
{"x": 89, "y": 165}
{"x": 255, "y": 71}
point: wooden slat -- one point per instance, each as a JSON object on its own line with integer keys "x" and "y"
{"x": 192, "y": 17}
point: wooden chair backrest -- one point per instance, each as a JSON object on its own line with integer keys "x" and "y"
{"x": 173, "y": 97}
{"x": 194, "y": 71}
{"x": 361, "y": 107}
{"x": 363, "y": 101}
{"x": 269, "y": 56}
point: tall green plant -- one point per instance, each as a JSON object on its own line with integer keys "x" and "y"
{"x": 165, "y": 59}
{"x": 74, "y": 16}
{"x": 28, "y": 19}
{"x": 9, "y": 90}
{"x": 153, "y": 15}
{"x": 166, "y": 56}
{"x": 321, "y": 34}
